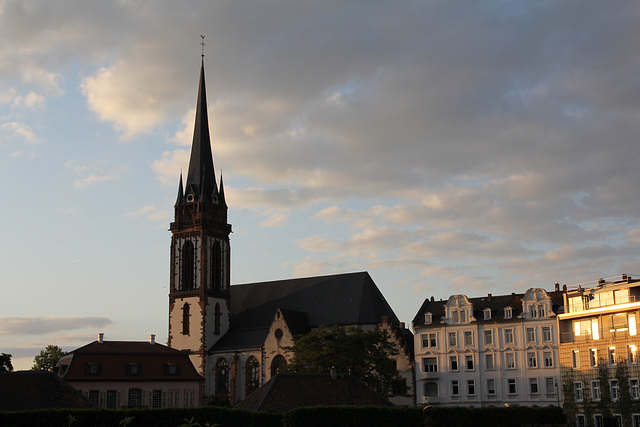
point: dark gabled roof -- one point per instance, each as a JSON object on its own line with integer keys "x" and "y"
{"x": 341, "y": 299}
{"x": 29, "y": 390}
{"x": 296, "y": 321}
{"x": 284, "y": 392}
{"x": 113, "y": 357}
{"x": 496, "y": 303}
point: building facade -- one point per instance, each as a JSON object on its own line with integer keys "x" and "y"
{"x": 492, "y": 350}
{"x": 132, "y": 374}
{"x": 237, "y": 336}
{"x": 599, "y": 353}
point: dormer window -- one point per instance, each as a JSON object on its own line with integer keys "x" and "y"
{"x": 507, "y": 313}
{"x": 171, "y": 369}
{"x": 133, "y": 369}
{"x": 427, "y": 318}
{"x": 463, "y": 316}
{"x": 541, "y": 311}
{"x": 487, "y": 313}
{"x": 532, "y": 310}
{"x": 93, "y": 369}
{"x": 458, "y": 316}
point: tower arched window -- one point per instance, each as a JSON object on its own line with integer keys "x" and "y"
{"x": 277, "y": 363}
{"x": 216, "y": 267}
{"x": 188, "y": 266}
{"x": 222, "y": 376}
{"x": 185, "y": 319}
{"x": 252, "y": 375}
{"x": 217, "y": 315}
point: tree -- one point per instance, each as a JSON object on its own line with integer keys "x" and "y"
{"x": 363, "y": 354}
{"x": 48, "y": 358}
{"x": 5, "y": 363}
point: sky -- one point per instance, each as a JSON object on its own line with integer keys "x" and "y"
{"x": 446, "y": 147}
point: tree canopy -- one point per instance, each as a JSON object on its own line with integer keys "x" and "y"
{"x": 48, "y": 358}
{"x": 5, "y": 362}
{"x": 363, "y": 354}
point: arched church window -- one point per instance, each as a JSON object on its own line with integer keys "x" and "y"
{"x": 217, "y": 315}
{"x": 216, "y": 267}
{"x": 277, "y": 363}
{"x": 252, "y": 375}
{"x": 431, "y": 389}
{"x": 185, "y": 319}
{"x": 188, "y": 266}
{"x": 222, "y": 376}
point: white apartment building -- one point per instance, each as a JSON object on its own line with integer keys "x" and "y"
{"x": 492, "y": 350}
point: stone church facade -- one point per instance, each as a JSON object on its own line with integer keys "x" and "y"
{"x": 237, "y": 335}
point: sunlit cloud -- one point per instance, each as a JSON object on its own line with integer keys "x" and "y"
{"x": 49, "y": 324}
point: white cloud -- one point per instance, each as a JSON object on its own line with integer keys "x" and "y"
{"x": 18, "y": 131}
{"x": 49, "y": 324}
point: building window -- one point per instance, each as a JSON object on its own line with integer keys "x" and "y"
{"x": 633, "y": 388}
{"x": 188, "y": 266}
{"x": 431, "y": 389}
{"x": 488, "y": 337}
{"x": 491, "y": 386}
{"x": 546, "y": 333}
{"x": 430, "y": 364}
{"x": 575, "y": 358}
{"x": 595, "y": 390}
{"x": 429, "y": 340}
{"x": 532, "y": 359}
{"x": 252, "y": 375}
{"x": 612, "y": 355}
{"x": 550, "y": 385}
{"x": 510, "y": 360}
{"x": 471, "y": 387}
{"x": 577, "y": 391}
{"x": 593, "y": 357}
{"x": 455, "y": 388}
{"x": 134, "y": 399}
{"x": 615, "y": 389}
{"x": 277, "y": 363}
{"x": 468, "y": 338}
{"x": 427, "y": 318}
{"x": 174, "y": 399}
{"x": 217, "y": 315}
{"x": 533, "y": 385}
{"x": 469, "y": 362}
{"x": 507, "y": 313}
{"x": 632, "y": 354}
{"x": 489, "y": 365}
{"x": 487, "y": 313}
{"x": 222, "y": 376}
{"x": 595, "y": 331}
{"x": 156, "y": 400}
{"x": 508, "y": 336}
{"x": 453, "y": 362}
{"x": 216, "y": 267}
{"x": 189, "y": 398}
{"x": 532, "y": 310}
{"x": 94, "y": 397}
{"x": 133, "y": 369}
{"x": 453, "y": 341}
{"x": 635, "y": 420}
{"x": 632, "y": 325}
{"x": 463, "y": 316}
{"x": 455, "y": 316}
{"x": 618, "y": 419}
{"x": 93, "y": 369}
{"x": 531, "y": 335}
{"x": 548, "y": 359}
{"x": 185, "y": 319}
{"x": 541, "y": 311}
{"x": 112, "y": 397}
{"x": 580, "y": 420}
{"x": 171, "y": 369}
{"x": 598, "y": 421}
{"x": 511, "y": 383}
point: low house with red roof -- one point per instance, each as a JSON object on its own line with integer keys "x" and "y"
{"x": 132, "y": 374}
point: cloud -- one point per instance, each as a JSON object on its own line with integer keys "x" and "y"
{"x": 95, "y": 174}
{"x": 150, "y": 212}
{"x": 18, "y": 131}
{"x": 49, "y": 324}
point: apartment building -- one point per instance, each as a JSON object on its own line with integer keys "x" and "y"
{"x": 599, "y": 352}
{"x": 491, "y": 350}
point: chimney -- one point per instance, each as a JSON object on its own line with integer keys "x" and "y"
{"x": 557, "y": 285}
{"x": 432, "y": 298}
{"x": 564, "y": 288}
{"x": 489, "y": 297}
{"x": 100, "y": 337}
{"x": 333, "y": 373}
{"x": 401, "y": 325}
{"x": 152, "y": 339}
{"x": 625, "y": 278}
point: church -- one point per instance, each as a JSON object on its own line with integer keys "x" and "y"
{"x": 237, "y": 335}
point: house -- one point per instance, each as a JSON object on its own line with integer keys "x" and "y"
{"x": 284, "y": 392}
{"x": 128, "y": 374}
{"x": 599, "y": 345}
{"x": 30, "y": 390}
{"x": 491, "y": 350}
{"x": 236, "y": 335}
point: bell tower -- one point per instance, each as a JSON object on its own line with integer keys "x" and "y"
{"x": 199, "y": 295}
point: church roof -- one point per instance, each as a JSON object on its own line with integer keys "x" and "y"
{"x": 341, "y": 299}
{"x": 288, "y": 391}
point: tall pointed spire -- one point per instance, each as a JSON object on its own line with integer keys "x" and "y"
{"x": 201, "y": 177}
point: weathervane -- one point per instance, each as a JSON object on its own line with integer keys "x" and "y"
{"x": 202, "y": 43}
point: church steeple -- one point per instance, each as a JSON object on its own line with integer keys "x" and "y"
{"x": 199, "y": 295}
{"x": 201, "y": 176}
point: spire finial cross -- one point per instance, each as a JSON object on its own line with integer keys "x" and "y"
{"x": 202, "y": 43}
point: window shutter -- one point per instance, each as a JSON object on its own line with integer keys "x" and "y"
{"x": 164, "y": 398}
{"x": 102, "y": 400}
{"x": 119, "y": 399}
